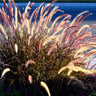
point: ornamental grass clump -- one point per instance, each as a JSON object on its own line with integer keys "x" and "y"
{"x": 35, "y": 52}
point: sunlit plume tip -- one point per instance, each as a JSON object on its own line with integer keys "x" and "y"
{"x": 5, "y": 71}
{"x": 30, "y": 79}
{"x": 16, "y": 48}
{"x": 44, "y": 85}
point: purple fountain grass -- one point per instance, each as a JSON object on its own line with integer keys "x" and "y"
{"x": 35, "y": 50}
{"x": 71, "y": 34}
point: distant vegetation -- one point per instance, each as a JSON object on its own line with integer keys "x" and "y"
{"x": 52, "y": 0}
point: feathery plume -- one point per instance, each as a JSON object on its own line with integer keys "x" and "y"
{"x": 5, "y": 71}
{"x": 4, "y": 32}
{"x": 16, "y": 48}
{"x": 29, "y": 62}
{"x": 44, "y": 85}
{"x": 30, "y": 79}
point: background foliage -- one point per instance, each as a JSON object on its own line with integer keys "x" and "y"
{"x": 52, "y": 0}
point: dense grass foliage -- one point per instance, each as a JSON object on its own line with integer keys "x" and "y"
{"x": 33, "y": 51}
